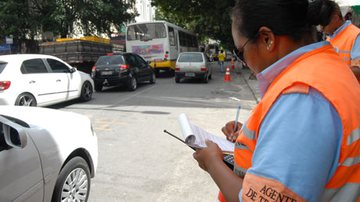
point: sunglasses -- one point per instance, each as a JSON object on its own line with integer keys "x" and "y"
{"x": 240, "y": 52}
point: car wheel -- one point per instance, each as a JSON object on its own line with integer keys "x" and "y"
{"x": 86, "y": 91}
{"x": 73, "y": 183}
{"x": 26, "y": 99}
{"x": 153, "y": 78}
{"x": 177, "y": 79}
{"x": 132, "y": 83}
{"x": 206, "y": 78}
{"x": 98, "y": 87}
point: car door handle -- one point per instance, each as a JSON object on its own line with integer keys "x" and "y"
{"x": 32, "y": 81}
{"x": 58, "y": 80}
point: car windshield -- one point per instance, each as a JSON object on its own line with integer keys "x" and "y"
{"x": 2, "y": 66}
{"x": 110, "y": 60}
{"x": 191, "y": 57}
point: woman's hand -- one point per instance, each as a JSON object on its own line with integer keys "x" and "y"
{"x": 229, "y": 132}
{"x": 209, "y": 155}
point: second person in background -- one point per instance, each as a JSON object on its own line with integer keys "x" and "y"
{"x": 221, "y": 57}
{"x": 344, "y": 36}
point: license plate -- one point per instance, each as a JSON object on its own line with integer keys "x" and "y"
{"x": 190, "y": 74}
{"x": 106, "y": 73}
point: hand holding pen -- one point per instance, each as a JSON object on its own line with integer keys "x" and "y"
{"x": 232, "y": 128}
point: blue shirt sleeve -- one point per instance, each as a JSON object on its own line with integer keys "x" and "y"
{"x": 355, "y": 51}
{"x": 299, "y": 143}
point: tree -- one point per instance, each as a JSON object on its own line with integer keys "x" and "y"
{"x": 27, "y": 19}
{"x": 19, "y": 21}
{"x": 92, "y": 16}
{"x": 102, "y": 15}
{"x": 208, "y": 18}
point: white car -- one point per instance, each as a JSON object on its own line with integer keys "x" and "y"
{"x": 45, "y": 155}
{"x": 193, "y": 65}
{"x": 41, "y": 80}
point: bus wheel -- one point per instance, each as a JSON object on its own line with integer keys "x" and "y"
{"x": 171, "y": 72}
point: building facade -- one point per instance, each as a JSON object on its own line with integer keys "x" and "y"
{"x": 145, "y": 10}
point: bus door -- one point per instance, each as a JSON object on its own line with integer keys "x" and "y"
{"x": 173, "y": 43}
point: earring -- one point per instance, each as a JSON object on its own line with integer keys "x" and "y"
{"x": 269, "y": 45}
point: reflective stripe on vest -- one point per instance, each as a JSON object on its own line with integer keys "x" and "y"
{"x": 344, "y": 96}
{"x": 354, "y": 136}
{"x": 345, "y": 193}
{"x": 344, "y": 41}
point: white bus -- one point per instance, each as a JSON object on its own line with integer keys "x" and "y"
{"x": 159, "y": 42}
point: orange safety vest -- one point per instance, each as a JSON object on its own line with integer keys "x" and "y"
{"x": 340, "y": 88}
{"x": 344, "y": 41}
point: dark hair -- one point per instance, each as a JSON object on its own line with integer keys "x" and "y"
{"x": 323, "y": 10}
{"x": 283, "y": 17}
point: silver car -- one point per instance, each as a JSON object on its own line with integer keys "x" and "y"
{"x": 193, "y": 65}
{"x": 45, "y": 155}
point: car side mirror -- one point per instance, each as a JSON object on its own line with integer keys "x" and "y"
{"x": 72, "y": 70}
{"x": 14, "y": 134}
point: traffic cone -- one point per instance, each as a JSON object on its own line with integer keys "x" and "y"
{"x": 227, "y": 77}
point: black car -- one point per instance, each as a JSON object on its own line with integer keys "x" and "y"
{"x": 128, "y": 69}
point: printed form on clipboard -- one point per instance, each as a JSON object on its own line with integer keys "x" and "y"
{"x": 195, "y": 136}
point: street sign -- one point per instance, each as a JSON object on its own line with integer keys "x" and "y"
{"x": 9, "y": 40}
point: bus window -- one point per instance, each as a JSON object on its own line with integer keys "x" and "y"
{"x": 145, "y": 32}
{"x": 171, "y": 36}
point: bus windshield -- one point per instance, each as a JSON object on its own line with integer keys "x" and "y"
{"x": 146, "y": 32}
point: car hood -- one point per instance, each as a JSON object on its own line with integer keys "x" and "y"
{"x": 56, "y": 134}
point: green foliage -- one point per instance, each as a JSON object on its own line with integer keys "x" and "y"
{"x": 17, "y": 19}
{"x": 208, "y": 18}
{"x": 23, "y": 19}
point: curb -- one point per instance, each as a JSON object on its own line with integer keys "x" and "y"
{"x": 251, "y": 83}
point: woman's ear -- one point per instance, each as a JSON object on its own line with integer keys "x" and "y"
{"x": 266, "y": 38}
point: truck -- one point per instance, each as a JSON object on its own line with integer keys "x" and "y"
{"x": 81, "y": 53}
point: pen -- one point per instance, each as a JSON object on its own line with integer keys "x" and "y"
{"x": 237, "y": 118}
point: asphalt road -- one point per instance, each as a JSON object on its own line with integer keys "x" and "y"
{"x": 137, "y": 160}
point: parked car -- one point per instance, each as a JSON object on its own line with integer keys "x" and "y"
{"x": 127, "y": 69}
{"x": 45, "y": 155}
{"x": 41, "y": 80}
{"x": 193, "y": 65}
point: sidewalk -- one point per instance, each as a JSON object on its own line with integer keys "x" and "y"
{"x": 244, "y": 74}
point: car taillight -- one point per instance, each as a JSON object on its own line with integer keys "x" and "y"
{"x": 93, "y": 71}
{"x": 177, "y": 69}
{"x": 203, "y": 69}
{"x": 166, "y": 55}
{"x": 4, "y": 85}
{"x": 122, "y": 67}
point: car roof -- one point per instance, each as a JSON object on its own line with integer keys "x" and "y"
{"x": 24, "y": 56}
{"x": 26, "y": 114}
{"x": 121, "y": 53}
